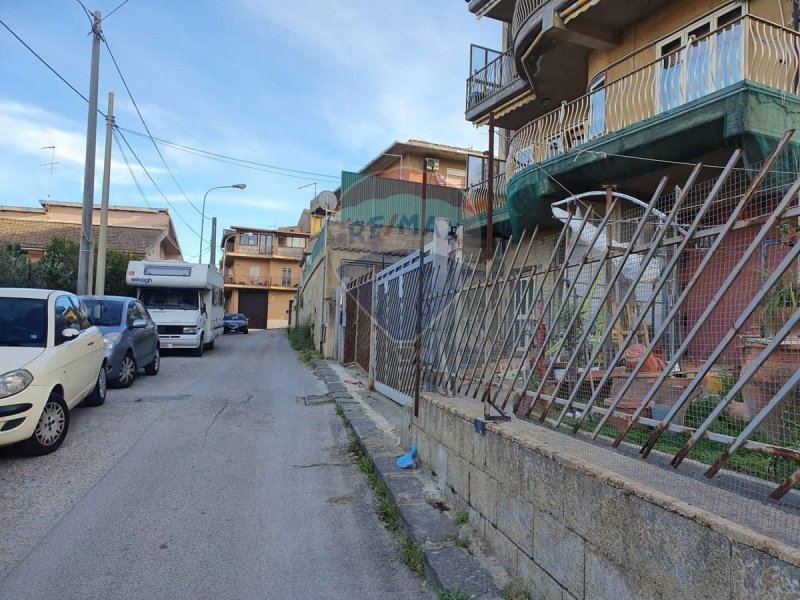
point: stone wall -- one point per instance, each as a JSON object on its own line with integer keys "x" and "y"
{"x": 569, "y": 530}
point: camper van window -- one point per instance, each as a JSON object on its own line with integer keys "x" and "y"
{"x": 169, "y": 298}
{"x": 175, "y": 271}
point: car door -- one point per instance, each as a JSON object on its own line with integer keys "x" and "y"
{"x": 70, "y": 356}
{"x": 138, "y": 336}
{"x": 151, "y": 342}
{"x": 92, "y": 345}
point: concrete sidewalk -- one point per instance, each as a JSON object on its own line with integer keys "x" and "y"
{"x": 454, "y": 557}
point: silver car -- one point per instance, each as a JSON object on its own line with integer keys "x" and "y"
{"x": 130, "y": 336}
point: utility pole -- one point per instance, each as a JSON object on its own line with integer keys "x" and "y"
{"x": 84, "y": 261}
{"x": 420, "y": 290}
{"x": 213, "y": 241}
{"x": 102, "y": 236}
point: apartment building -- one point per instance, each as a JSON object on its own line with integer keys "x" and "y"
{"x": 621, "y": 92}
{"x": 262, "y": 273}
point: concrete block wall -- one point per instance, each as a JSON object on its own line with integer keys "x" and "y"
{"x": 569, "y": 532}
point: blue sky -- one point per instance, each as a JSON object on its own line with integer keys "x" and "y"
{"x": 312, "y": 85}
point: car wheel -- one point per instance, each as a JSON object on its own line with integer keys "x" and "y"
{"x": 127, "y": 370}
{"x": 211, "y": 345}
{"x": 246, "y": 331}
{"x": 51, "y": 429}
{"x": 199, "y": 350}
{"x": 153, "y": 367}
{"x": 98, "y": 395}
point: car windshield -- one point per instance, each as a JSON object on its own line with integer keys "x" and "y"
{"x": 234, "y": 317}
{"x": 23, "y": 322}
{"x": 104, "y": 312}
{"x": 167, "y": 298}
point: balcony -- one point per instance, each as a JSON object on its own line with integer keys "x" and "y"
{"x": 493, "y": 85}
{"x": 259, "y": 281}
{"x": 270, "y": 251}
{"x": 476, "y": 199}
{"x": 748, "y": 48}
{"x": 736, "y": 86}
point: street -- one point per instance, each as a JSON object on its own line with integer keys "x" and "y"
{"x": 211, "y": 480}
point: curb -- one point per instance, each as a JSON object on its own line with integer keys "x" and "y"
{"x": 448, "y": 566}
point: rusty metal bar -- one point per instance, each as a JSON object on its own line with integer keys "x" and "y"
{"x": 755, "y": 245}
{"x": 440, "y": 325}
{"x": 665, "y": 276}
{"x": 503, "y": 312}
{"x": 599, "y": 230}
{"x": 745, "y": 377}
{"x": 483, "y": 328}
{"x": 488, "y": 297}
{"x": 610, "y": 285}
{"x": 561, "y": 268}
{"x": 408, "y": 375}
{"x": 470, "y": 298}
{"x": 532, "y": 309}
{"x": 751, "y": 190}
{"x": 785, "y": 390}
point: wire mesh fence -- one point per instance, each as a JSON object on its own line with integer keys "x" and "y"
{"x": 672, "y": 326}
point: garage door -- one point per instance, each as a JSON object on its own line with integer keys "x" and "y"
{"x": 253, "y": 305}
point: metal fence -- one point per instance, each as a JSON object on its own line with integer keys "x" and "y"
{"x": 670, "y": 326}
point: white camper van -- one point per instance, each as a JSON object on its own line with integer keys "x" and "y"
{"x": 185, "y": 300}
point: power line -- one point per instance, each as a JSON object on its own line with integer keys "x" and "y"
{"x": 116, "y": 9}
{"x": 147, "y": 129}
{"x": 240, "y": 162}
{"x": 88, "y": 14}
{"x": 209, "y": 154}
{"x": 153, "y": 181}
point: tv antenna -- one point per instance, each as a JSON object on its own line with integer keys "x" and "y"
{"x": 52, "y": 164}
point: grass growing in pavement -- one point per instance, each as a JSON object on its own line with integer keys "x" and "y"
{"x": 413, "y": 557}
{"x": 512, "y": 592}
{"x": 455, "y": 594}
{"x": 462, "y": 518}
{"x": 462, "y": 542}
{"x": 300, "y": 337}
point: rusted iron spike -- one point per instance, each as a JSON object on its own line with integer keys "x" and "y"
{"x": 751, "y": 190}
{"x": 662, "y": 281}
{"x": 754, "y": 247}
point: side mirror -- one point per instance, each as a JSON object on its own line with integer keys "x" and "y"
{"x": 70, "y": 333}
{"x": 139, "y": 324}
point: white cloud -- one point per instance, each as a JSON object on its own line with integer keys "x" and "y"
{"x": 400, "y": 67}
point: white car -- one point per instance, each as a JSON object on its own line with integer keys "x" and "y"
{"x": 51, "y": 358}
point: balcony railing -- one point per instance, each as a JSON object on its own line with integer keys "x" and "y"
{"x": 288, "y": 251}
{"x": 476, "y": 198}
{"x": 747, "y": 48}
{"x": 496, "y": 76}
{"x": 267, "y": 251}
{"x": 523, "y": 10}
{"x": 262, "y": 281}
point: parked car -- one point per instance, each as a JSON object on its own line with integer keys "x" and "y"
{"x": 129, "y": 334}
{"x": 234, "y": 323}
{"x": 51, "y": 358}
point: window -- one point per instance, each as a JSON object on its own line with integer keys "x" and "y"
{"x": 84, "y": 322}
{"x": 170, "y": 298}
{"x": 23, "y": 322}
{"x": 173, "y": 270}
{"x": 696, "y": 62}
{"x": 292, "y": 242}
{"x": 456, "y": 177}
{"x": 255, "y": 275}
{"x": 286, "y": 277}
{"x": 65, "y": 318}
{"x": 248, "y": 239}
{"x": 133, "y": 314}
{"x": 265, "y": 244}
{"x": 143, "y": 314}
{"x": 104, "y": 312}
{"x": 597, "y": 106}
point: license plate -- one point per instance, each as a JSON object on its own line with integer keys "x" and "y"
{"x": 169, "y": 345}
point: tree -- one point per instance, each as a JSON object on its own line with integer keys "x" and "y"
{"x": 116, "y": 269}
{"x": 58, "y": 269}
{"x": 16, "y": 269}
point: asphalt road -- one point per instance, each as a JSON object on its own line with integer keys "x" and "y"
{"x": 211, "y": 480}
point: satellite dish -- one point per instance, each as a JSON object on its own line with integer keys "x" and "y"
{"x": 327, "y": 200}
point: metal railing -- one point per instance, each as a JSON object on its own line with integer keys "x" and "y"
{"x": 476, "y": 197}
{"x": 651, "y": 325}
{"x": 747, "y": 48}
{"x": 523, "y": 10}
{"x": 491, "y": 79}
{"x": 292, "y": 251}
{"x": 261, "y": 281}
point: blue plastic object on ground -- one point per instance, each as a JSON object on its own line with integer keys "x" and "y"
{"x": 407, "y": 460}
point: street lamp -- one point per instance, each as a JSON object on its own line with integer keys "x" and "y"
{"x": 238, "y": 186}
